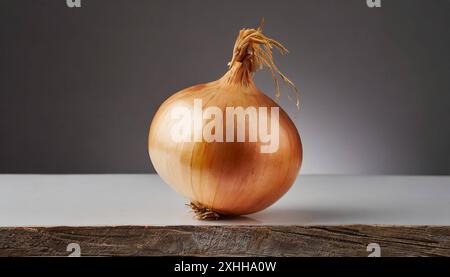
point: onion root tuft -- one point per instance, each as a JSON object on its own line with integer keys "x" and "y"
{"x": 204, "y": 213}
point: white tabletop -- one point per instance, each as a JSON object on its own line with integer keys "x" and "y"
{"x": 97, "y": 200}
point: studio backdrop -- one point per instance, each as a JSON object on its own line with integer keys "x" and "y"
{"x": 79, "y": 86}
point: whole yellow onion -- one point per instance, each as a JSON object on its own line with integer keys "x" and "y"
{"x": 228, "y": 175}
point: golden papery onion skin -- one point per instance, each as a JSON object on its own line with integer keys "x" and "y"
{"x": 231, "y": 178}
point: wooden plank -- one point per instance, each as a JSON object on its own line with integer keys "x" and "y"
{"x": 224, "y": 240}
{"x": 140, "y": 215}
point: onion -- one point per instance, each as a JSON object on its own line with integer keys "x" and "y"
{"x": 222, "y": 170}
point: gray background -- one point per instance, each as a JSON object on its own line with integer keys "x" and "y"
{"x": 78, "y": 87}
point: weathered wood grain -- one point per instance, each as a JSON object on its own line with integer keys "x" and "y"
{"x": 345, "y": 240}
